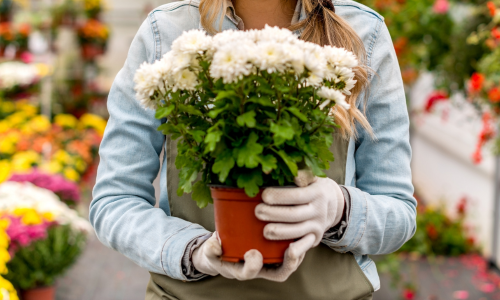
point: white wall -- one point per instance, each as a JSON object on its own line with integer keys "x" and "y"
{"x": 442, "y": 166}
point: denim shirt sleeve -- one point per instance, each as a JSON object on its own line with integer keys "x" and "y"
{"x": 122, "y": 210}
{"x": 383, "y": 209}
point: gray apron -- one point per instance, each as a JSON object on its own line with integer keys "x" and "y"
{"x": 324, "y": 273}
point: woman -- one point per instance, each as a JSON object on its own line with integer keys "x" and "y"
{"x": 364, "y": 207}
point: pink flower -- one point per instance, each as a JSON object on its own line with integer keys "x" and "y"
{"x": 441, "y": 6}
{"x": 461, "y": 295}
{"x": 22, "y": 235}
{"x": 68, "y": 191}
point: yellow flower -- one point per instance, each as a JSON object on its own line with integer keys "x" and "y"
{"x": 4, "y": 240}
{"x": 8, "y": 143}
{"x": 28, "y": 109}
{"x": 43, "y": 70}
{"x": 93, "y": 121}
{"x": 63, "y": 157}
{"x": 71, "y": 174}
{"x": 39, "y": 123}
{"x": 48, "y": 216}
{"x": 16, "y": 119}
{"x": 29, "y": 216}
{"x": 52, "y": 167}
{"x": 66, "y": 120}
{"x": 7, "y": 106}
{"x": 23, "y": 161}
{"x": 80, "y": 165}
{"x": 4, "y": 170}
{"x": 9, "y": 289}
{"x": 4, "y": 126}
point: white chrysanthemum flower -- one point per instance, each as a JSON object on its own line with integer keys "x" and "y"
{"x": 295, "y": 55}
{"x": 340, "y": 57}
{"x": 275, "y": 34}
{"x": 146, "y": 81}
{"x": 314, "y": 80}
{"x": 314, "y": 58}
{"x": 226, "y": 37}
{"x": 324, "y": 104}
{"x": 15, "y": 195}
{"x": 331, "y": 94}
{"x": 181, "y": 60}
{"x": 349, "y": 84}
{"x": 270, "y": 56}
{"x": 185, "y": 80}
{"x": 232, "y": 62}
{"x": 343, "y": 74}
{"x": 192, "y": 42}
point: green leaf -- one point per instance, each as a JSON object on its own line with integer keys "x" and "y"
{"x": 264, "y": 101}
{"x": 164, "y": 112}
{"x": 289, "y": 162}
{"x": 226, "y": 94}
{"x": 215, "y": 112}
{"x": 297, "y": 113}
{"x": 190, "y": 110}
{"x": 201, "y": 194}
{"x": 248, "y": 154}
{"x": 268, "y": 162}
{"x": 187, "y": 175}
{"x": 223, "y": 165}
{"x": 212, "y": 139}
{"x": 313, "y": 164}
{"x": 282, "y": 133}
{"x": 247, "y": 119}
{"x": 197, "y": 135}
{"x": 251, "y": 182}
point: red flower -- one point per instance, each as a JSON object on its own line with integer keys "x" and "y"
{"x": 462, "y": 206}
{"x": 400, "y": 45}
{"x": 408, "y": 294}
{"x": 495, "y": 33}
{"x": 432, "y": 232}
{"x": 492, "y": 8}
{"x": 494, "y": 95}
{"x": 433, "y": 98}
{"x": 485, "y": 135}
{"x": 476, "y": 82}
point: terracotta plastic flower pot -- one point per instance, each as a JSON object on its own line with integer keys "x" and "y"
{"x": 239, "y": 229}
{"x": 41, "y": 293}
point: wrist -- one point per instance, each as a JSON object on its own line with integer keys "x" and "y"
{"x": 341, "y": 206}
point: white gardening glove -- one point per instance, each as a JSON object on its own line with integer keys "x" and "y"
{"x": 206, "y": 259}
{"x": 304, "y": 212}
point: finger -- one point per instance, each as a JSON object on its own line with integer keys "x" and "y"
{"x": 292, "y": 196}
{"x": 305, "y": 178}
{"x": 299, "y": 248}
{"x": 212, "y": 247}
{"x": 283, "y": 231}
{"x": 281, "y": 274}
{"x": 243, "y": 271}
{"x": 290, "y": 214}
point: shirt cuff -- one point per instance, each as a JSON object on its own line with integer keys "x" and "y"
{"x": 356, "y": 225}
{"x": 188, "y": 268}
{"x": 335, "y": 233}
{"x": 174, "y": 248}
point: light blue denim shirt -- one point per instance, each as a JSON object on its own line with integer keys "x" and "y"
{"x": 378, "y": 176}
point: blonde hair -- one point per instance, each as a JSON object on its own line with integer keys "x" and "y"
{"x": 323, "y": 27}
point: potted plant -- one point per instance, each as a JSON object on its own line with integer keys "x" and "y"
{"x": 46, "y": 238}
{"x": 248, "y": 109}
{"x": 93, "y": 38}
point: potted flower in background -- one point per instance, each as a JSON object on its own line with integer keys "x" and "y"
{"x": 46, "y": 238}
{"x": 93, "y": 38}
{"x": 248, "y": 110}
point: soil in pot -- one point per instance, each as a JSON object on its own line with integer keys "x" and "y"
{"x": 240, "y": 230}
{"x": 41, "y": 293}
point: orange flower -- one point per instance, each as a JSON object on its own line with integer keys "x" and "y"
{"x": 494, "y": 95}
{"x": 476, "y": 82}
{"x": 400, "y": 45}
{"x": 24, "y": 29}
{"x": 6, "y": 31}
{"x": 492, "y": 8}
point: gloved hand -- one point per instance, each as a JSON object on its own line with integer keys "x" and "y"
{"x": 305, "y": 212}
{"x": 206, "y": 259}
